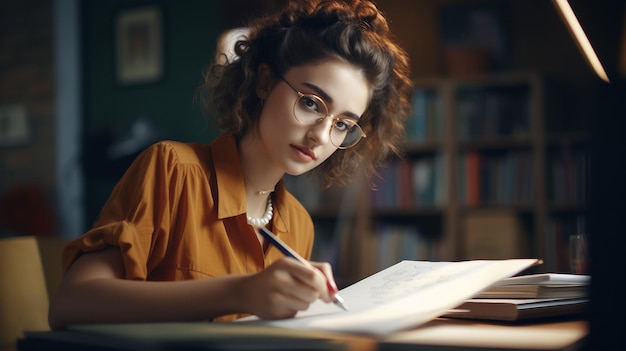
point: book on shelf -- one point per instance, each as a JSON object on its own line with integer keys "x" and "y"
{"x": 427, "y": 181}
{"x": 567, "y": 172}
{"x": 485, "y": 113}
{"x": 425, "y": 123}
{"x": 518, "y": 309}
{"x": 500, "y": 177}
{"x": 411, "y": 183}
{"x": 397, "y": 242}
{"x": 472, "y": 190}
{"x": 539, "y": 286}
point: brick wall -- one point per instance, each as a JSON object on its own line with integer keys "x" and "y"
{"x": 27, "y": 79}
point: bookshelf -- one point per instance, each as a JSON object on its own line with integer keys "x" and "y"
{"x": 479, "y": 148}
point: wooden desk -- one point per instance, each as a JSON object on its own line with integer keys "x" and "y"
{"x": 437, "y": 335}
{"x": 191, "y": 336}
{"x": 452, "y": 334}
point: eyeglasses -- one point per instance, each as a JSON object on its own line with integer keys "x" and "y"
{"x": 310, "y": 110}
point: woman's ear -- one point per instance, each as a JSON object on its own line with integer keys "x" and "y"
{"x": 265, "y": 81}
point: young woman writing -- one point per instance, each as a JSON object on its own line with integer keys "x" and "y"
{"x": 320, "y": 86}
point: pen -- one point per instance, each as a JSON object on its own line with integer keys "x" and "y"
{"x": 287, "y": 251}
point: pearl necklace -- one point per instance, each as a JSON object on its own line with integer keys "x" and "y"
{"x": 267, "y": 217}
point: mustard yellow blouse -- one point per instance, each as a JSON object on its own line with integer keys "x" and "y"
{"x": 179, "y": 212}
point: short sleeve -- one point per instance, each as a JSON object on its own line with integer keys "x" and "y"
{"x": 136, "y": 217}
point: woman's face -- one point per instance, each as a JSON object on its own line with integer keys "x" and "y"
{"x": 298, "y": 148}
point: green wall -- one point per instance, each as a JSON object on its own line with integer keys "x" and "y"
{"x": 190, "y": 30}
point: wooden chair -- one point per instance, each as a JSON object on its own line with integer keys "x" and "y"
{"x": 25, "y": 286}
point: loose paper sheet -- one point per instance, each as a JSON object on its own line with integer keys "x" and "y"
{"x": 404, "y": 295}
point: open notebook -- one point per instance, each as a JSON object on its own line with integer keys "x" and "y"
{"x": 402, "y": 296}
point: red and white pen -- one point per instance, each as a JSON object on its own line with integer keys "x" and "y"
{"x": 287, "y": 251}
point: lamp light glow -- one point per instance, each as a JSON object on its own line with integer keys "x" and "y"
{"x": 577, "y": 31}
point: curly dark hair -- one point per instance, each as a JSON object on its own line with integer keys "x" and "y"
{"x": 354, "y": 31}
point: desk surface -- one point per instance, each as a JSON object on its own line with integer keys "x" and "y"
{"x": 439, "y": 334}
{"x": 451, "y": 334}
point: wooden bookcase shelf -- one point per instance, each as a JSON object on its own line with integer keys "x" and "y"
{"x": 478, "y": 150}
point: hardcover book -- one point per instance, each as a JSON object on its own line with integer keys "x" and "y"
{"x": 517, "y": 309}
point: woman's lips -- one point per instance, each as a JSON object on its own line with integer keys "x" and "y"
{"x": 304, "y": 153}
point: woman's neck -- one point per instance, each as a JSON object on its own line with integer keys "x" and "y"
{"x": 260, "y": 176}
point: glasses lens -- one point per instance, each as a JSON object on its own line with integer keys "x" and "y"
{"x": 309, "y": 109}
{"x": 345, "y": 133}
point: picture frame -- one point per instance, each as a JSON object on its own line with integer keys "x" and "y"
{"x": 139, "y": 45}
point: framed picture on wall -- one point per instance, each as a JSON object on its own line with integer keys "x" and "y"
{"x": 139, "y": 45}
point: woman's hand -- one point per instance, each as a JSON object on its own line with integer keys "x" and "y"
{"x": 327, "y": 270}
{"x": 286, "y": 287}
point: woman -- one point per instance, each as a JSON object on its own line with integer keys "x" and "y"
{"x": 322, "y": 86}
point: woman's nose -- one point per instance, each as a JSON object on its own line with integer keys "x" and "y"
{"x": 320, "y": 131}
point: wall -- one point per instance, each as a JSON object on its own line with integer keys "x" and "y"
{"x": 27, "y": 80}
{"x": 189, "y": 31}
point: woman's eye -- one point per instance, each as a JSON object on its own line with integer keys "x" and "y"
{"x": 343, "y": 125}
{"x": 310, "y": 104}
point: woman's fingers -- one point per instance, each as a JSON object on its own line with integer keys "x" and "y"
{"x": 327, "y": 271}
{"x": 284, "y": 288}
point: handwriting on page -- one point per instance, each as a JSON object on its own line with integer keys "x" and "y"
{"x": 409, "y": 279}
{"x": 405, "y": 279}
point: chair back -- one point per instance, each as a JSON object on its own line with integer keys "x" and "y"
{"x": 23, "y": 289}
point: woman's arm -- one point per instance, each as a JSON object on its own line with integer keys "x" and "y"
{"x": 93, "y": 290}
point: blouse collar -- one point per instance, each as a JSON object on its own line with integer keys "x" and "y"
{"x": 231, "y": 193}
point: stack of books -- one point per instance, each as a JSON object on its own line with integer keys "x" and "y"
{"x": 528, "y": 297}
